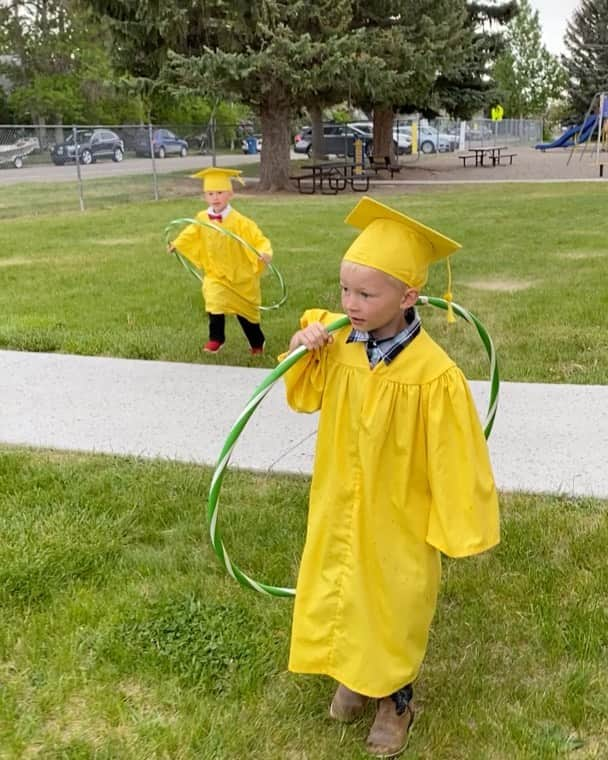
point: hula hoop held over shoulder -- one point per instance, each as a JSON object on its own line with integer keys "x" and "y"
{"x": 258, "y": 396}
{"x": 189, "y": 267}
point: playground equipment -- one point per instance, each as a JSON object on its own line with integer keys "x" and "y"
{"x": 598, "y": 110}
{"x": 577, "y": 134}
{"x": 591, "y": 133}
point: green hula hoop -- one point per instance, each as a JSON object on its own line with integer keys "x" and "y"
{"x": 257, "y": 397}
{"x": 189, "y": 267}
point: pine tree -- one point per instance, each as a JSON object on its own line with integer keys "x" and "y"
{"x": 468, "y": 87}
{"x": 586, "y": 61}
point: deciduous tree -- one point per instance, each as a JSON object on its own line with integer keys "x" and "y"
{"x": 527, "y": 75}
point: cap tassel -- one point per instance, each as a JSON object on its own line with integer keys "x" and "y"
{"x": 448, "y": 295}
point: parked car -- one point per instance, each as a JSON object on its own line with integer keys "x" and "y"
{"x": 338, "y": 139}
{"x": 164, "y": 143}
{"x": 91, "y": 144}
{"x": 245, "y": 143}
{"x": 431, "y": 140}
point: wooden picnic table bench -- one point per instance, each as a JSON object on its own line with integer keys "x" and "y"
{"x": 384, "y": 163}
{"x": 487, "y": 156}
{"x": 331, "y": 177}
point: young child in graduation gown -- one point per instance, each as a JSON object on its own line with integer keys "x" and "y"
{"x": 401, "y": 475}
{"x": 231, "y": 284}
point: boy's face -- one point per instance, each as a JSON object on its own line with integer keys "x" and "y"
{"x": 374, "y": 301}
{"x": 218, "y": 199}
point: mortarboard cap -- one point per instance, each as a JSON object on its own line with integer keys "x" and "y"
{"x": 394, "y": 243}
{"x": 215, "y": 178}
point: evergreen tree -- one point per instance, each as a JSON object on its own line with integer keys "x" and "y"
{"x": 415, "y": 43}
{"x": 527, "y": 75}
{"x": 468, "y": 87}
{"x": 271, "y": 54}
{"x": 586, "y": 61}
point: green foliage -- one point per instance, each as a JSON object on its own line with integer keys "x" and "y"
{"x": 527, "y": 75}
{"x": 57, "y": 60}
{"x": 586, "y": 62}
{"x": 467, "y": 87}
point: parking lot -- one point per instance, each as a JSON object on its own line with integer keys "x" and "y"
{"x": 49, "y": 173}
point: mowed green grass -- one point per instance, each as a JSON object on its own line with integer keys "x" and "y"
{"x": 533, "y": 269}
{"x": 122, "y": 637}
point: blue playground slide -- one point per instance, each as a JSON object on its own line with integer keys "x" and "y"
{"x": 566, "y": 140}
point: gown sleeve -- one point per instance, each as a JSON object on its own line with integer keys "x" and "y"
{"x": 464, "y": 518}
{"x": 305, "y": 381}
{"x": 190, "y": 244}
{"x": 249, "y": 231}
{"x": 261, "y": 243}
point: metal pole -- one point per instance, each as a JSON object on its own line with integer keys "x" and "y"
{"x": 600, "y": 119}
{"x": 212, "y": 128}
{"x": 153, "y": 157}
{"x": 78, "y": 173}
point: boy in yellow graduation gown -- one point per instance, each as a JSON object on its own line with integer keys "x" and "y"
{"x": 401, "y": 474}
{"x": 232, "y": 272}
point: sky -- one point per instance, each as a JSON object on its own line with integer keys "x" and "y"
{"x": 553, "y": 16}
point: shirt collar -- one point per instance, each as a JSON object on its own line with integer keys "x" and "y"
{"x": 223, "y": 213}
{"x": 386, "y": 349}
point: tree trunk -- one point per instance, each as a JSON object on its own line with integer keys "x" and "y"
{"x": 276, "y": 144}
{"x": 384, "y": 145}
{"x": 40, "y": 123}
{"x": 316, "y": 123}
{"x": 58, "y": 130}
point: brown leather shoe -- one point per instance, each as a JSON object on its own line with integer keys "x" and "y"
{"x": 390, "y": 732}
{"x": 347, "y": 705}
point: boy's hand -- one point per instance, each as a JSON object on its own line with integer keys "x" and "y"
{"x": 266, "y": 258}
{"x": 313, "y": 336}
{"x": 170, "y": 248}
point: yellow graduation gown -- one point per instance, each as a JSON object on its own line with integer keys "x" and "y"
{"x": 401, "y": 473}
{"x": 232, "y": 272}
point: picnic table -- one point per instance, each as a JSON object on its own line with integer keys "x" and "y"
{"x": 331, "y": 177}
{"x": 487, "y": 156}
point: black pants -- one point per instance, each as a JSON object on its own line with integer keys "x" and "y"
{"x": 253, "y": 331}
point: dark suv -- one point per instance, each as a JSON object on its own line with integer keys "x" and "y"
{"x": 338, "y": 139}
{"x": 163, "y": 143}
{"x": 91, "y": 144}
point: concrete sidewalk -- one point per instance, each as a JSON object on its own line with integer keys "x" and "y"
{"x": 546, "y": 438}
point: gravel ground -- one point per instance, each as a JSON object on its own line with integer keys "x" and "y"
{"x": 528, "y": 165}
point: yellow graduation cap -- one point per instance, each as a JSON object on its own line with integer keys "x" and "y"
{"x": 397, "y": 245}
{"x": 216, "y": 178}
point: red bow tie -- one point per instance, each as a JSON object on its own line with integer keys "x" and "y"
{"x": 215, "y": 217}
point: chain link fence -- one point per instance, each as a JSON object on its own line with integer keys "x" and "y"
{"x": 109, "y": 164}
{"x": 100, "y": 165}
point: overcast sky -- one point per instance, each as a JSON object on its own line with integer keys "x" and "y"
{"x": 553, "y": 17}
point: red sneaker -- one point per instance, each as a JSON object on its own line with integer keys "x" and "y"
{"x": 212, "y": 346}
{"x": 259, "y": 351}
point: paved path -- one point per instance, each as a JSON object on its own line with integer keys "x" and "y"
{"x": 546, "y": 438}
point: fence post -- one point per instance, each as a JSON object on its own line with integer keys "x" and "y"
{"x": 213, "y": 156}
{"x": 153, "y": 157}
{"x": 78, "y": 173}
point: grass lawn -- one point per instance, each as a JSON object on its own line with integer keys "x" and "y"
{"x": 120, "y": 634}
{"x": 122, "y": 637}
{"x": 532, "y": 269}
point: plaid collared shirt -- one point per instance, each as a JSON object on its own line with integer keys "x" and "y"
{"x": 387, "y": 349}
